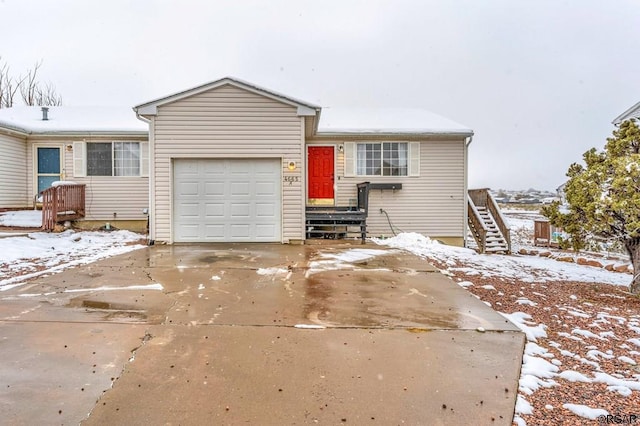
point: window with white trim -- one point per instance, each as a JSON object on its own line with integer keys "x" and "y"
{"x": 113, "y": 158}
{"x": 356, "y": 159}
{"x": 382, "y": 159}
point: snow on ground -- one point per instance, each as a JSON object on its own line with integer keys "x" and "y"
{"x": 525, "y": 268}
{"x": 38, "y": 253}
{"x": 22, "y": 218}
{"x": 582, "y": 326}
{"x": 342, "y": 260}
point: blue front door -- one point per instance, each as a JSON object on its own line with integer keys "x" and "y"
{"x": 48, "y": 167}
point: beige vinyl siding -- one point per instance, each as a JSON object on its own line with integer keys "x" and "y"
{"x": 432, "y": 204}
{"x": 13, "y": 176}
{"x": 126, "y": 196}
{"x": 227, "y": 122}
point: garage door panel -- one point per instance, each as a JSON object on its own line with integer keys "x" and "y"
{"x": 189, "y": 189}
{"x": 264, "y": 167}
{"x": 214, "y": 210}
{"x": 189, "y": 232}
{"x": 227, "y": 200}
{"x": 240, "y": 210}
{"x": 186, "y": 168}
{"x": 238, "y": 173}
{"x": 264, "y": 231}
{"x": 240, "y": 189}
{"x": 214, "y": 189}
{"x": 189, "y": 210}
{"x": 265, "y": 189}
{"x": 267, "y": 210}
{"x": 213, "y": 232}
{"x": 237, "y": 167}
{"x": 212, "y": 168}
{"x": 240, "y": 231}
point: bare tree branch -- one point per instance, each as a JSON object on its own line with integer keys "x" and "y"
{"x": 8, "y": 86}
{"x": 29, "y": 85}
{"x": 47, "y": 96}
{"x": 31, "y": 90}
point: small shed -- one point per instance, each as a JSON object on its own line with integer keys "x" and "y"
{"x": 545, "y": 234}
{"x": 541, "y": 233}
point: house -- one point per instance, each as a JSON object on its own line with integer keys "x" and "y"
{"x": 105, "y": 148}
{"x": 232, "y": 161}
{"x": 633, "y": 112}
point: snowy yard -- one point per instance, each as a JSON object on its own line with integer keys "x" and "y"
{"x": 21, "y": 219}
{"x": 37, "y": 253}
{"x": 582, "y": 326}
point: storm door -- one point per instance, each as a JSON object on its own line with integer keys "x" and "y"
{"x": 47, "y": 167}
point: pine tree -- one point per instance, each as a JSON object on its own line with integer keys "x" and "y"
{"x": 604, "y": 196}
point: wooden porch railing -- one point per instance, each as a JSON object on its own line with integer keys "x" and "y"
{"x": 61, "y": 203}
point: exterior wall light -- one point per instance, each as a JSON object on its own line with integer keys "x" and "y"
{"x": 292, "y": 165}
{"x": 341, "y": 148}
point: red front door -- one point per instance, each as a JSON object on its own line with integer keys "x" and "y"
{"x": 320, "y": 165}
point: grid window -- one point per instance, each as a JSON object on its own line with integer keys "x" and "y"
{"x": 113, "y": 159}
{"x": 382, "y": 159}
{"x": 369, "y": 159}
{"x": 127, "y": 159}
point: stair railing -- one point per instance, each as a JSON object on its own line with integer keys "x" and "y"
{"x": 478, "y": 228}
{"x": 493, "y": 208}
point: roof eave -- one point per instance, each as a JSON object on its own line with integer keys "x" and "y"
{"x": 622, "y": 116}
{"x": 14, "y": 130}
{"x": 349, "y": 133}
{"x": 136, "y": 133}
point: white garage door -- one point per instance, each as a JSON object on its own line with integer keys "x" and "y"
{"x": 227, "y": 200}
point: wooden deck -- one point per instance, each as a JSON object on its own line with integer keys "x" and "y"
{"x": 335, "y": 223}
{"x": 338, "y": 222}
{"x": 61, "y": 203}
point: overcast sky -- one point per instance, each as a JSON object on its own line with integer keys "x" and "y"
{"x": 538, "y": 81}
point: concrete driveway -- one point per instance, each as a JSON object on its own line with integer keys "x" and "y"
{"x": 255, "y": 334}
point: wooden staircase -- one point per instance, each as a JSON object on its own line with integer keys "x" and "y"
{"x": 486, "y": 223}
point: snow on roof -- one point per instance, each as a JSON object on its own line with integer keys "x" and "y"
{"x": 387, "y": 120}
{"x": 92, "y": 119}
{"x": 64, "y": 119}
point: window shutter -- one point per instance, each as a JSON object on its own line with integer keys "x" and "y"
{"x": 79, "y": 160}
{"x": 144, "y": 158}
{"x": 414, "y": 159}
{"x": 349, "y": 158}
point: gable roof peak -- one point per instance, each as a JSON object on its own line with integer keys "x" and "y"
{"x": 304, "y": 108}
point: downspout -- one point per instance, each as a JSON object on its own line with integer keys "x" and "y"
{"x": 303, "y": 180}
{"x": 151, "y": 212}
{"x": 465, "y": 196}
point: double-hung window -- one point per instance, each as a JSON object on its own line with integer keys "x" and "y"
{"x": 382, "y": 158}
{"x": 113, "y": 159}
{"x": 110, "y": 159}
